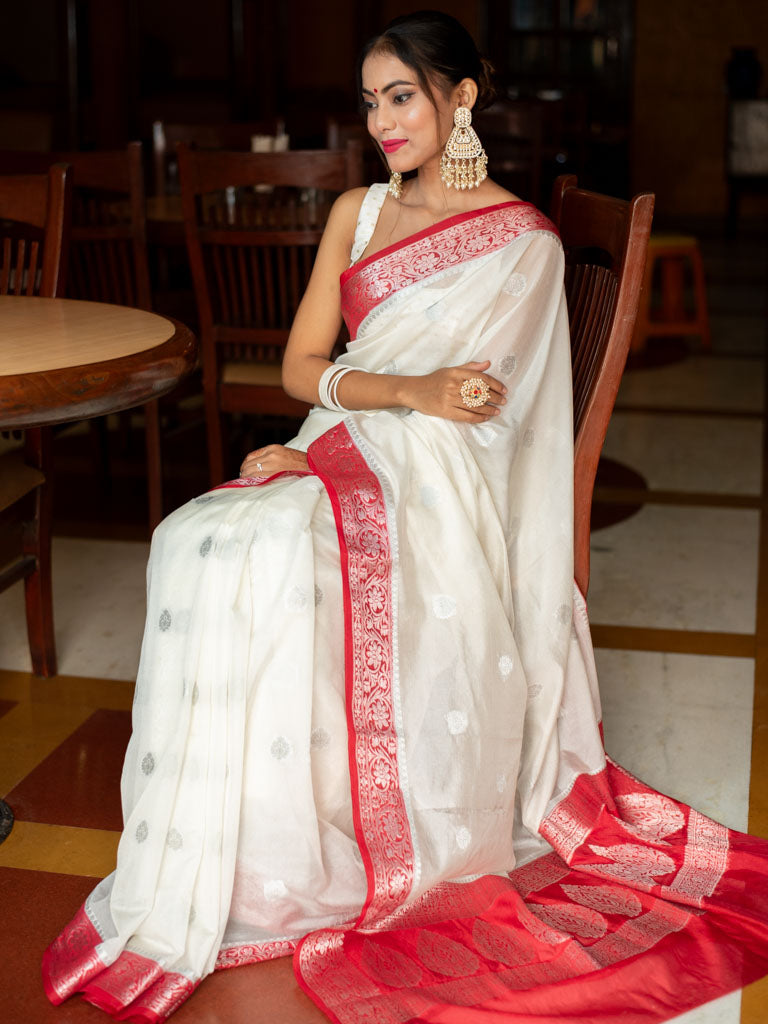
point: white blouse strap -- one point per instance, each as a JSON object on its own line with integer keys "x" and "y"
{"x": 367, "y": 218}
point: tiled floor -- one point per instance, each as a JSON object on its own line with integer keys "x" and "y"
{"x": 679, "y": 605}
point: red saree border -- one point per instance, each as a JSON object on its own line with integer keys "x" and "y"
{"x": 444, "y": 245}
{"x": 433, "y": 229}
{"x": 380, "y": 816}
{"x": 133, "y": 988}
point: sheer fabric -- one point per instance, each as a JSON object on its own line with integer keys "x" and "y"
{"x": 367, "y": 721}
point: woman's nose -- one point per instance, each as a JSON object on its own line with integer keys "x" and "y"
{"x": 383, "y": 119}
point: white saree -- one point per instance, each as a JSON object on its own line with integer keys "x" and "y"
{"x": 366, "y": 724}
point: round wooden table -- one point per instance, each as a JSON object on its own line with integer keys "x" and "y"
{"x": 63, "y": 359}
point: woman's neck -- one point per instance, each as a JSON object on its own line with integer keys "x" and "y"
{"x": 427, "y": 193}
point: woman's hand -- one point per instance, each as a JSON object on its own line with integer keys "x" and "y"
{"x": 271, "y": 459}
{"x": 439, "y": 393}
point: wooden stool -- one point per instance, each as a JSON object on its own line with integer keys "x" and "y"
{"x": 672, "y": 252}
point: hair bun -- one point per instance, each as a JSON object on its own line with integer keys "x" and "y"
{"x": 486, "y": 90}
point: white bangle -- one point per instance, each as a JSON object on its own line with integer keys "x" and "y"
{"x": 328, "y": 386}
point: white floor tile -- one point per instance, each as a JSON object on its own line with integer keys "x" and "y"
{"x": 99, "y": 609}
{"x": 699, "y": 382}
{"x": 669, "y": 567}
{"x": 689, "y": 453}
{"x": 726, "y": 1010}
{"x": 683, "y": 724}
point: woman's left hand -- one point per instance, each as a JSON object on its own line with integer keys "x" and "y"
{"x": 273, "y": 458}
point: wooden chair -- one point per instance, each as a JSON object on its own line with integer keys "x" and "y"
{"x": 251, "y": 254}
{"x": 341, "y": 129}
{"x": 229, "y": 136}
{"x": 605, "y": 242}
{"x": 108, "y": 254}
{"x": 34, "y": 227}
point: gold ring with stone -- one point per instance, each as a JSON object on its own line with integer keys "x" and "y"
{"x": 474, "y": 392}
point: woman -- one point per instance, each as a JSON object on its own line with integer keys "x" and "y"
{"x": 366, "y": 726}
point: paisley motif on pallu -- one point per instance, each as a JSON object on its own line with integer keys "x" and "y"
{"x": 448, "y": 244}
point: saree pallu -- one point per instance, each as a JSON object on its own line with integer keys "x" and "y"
{"x": 366, "y": 725}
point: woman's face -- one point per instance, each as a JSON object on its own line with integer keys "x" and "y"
{"x": 401, "y": 117}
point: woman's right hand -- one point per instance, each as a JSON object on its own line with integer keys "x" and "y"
{"x": 439, "y": 393}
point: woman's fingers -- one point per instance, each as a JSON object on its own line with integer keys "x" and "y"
{"x": 477, "y": 370}
{"x": 272, "y": 458}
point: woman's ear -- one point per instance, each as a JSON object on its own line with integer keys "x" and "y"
{"x": 465, "y": 93}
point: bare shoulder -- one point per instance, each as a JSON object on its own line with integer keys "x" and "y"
{"x": 346, "y": 209}
{"x": 493, "y": 193}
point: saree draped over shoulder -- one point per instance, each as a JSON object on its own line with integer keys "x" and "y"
{"x": 366, "y": 724}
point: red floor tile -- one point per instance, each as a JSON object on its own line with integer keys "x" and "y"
{"x": 34, "y": 906}
{"x": 79, "y": 783}
{"x": 265, "y": 993}
{"x": 6, "y": 705}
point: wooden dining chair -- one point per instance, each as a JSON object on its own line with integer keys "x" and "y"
{"x": 605, "y": 242}
{"x": 108, "y": 256}
{"x": 343, "y": 128}
{"x": 253, "y": 223}
{"x": 232, "y": 135}
{"x": 34, "y": 236}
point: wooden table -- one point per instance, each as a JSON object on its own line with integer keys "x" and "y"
{"x": 63, "y": 359}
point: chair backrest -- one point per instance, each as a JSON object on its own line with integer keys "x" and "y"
{"x": 228, "y": 136}
{"x": 35, "y": 213}
{"x": 341, "y": 129}
{"x": 253, "y": 223}
{"x": 605, "y": 242}
{"x": 108, "y": 250}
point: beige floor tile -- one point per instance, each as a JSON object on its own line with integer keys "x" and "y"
{"x": 669, "y": 567}
{"x": 689, "y": 453}
{"x": 60, "y": 848}
{"x": 699, "y": 382}
{"x": 99, "y": 608}
{"x": 683, "y": 724}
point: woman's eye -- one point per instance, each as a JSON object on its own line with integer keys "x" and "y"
{"x": 403, "y": 97}
{"x": 368, "y": 105}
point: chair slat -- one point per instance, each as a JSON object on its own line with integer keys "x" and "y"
{"x": 253, "y": 224}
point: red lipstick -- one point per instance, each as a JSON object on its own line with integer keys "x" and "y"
{"x": 391, "y": 145}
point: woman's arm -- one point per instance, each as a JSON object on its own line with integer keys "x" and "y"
{"x": 316, "y": 327}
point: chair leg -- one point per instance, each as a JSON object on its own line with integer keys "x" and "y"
{"x": 700, "y": 296}
{"x": 154, "y": 463}
{"x": 215, "y": 440}
{"x": 38, "y": 589}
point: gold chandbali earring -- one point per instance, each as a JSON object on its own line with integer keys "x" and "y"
{"x": 395, "y": 187}
{"x": 464, "y": 161}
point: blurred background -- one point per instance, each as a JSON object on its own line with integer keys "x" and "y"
{"x": 630, "y": 95}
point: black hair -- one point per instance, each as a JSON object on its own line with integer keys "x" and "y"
{"x": 438, "y": 49}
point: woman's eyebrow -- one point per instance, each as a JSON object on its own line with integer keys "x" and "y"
{"x": 391, "y": 85}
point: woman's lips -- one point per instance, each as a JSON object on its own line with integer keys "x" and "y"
{"x": 391, "y": 145}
